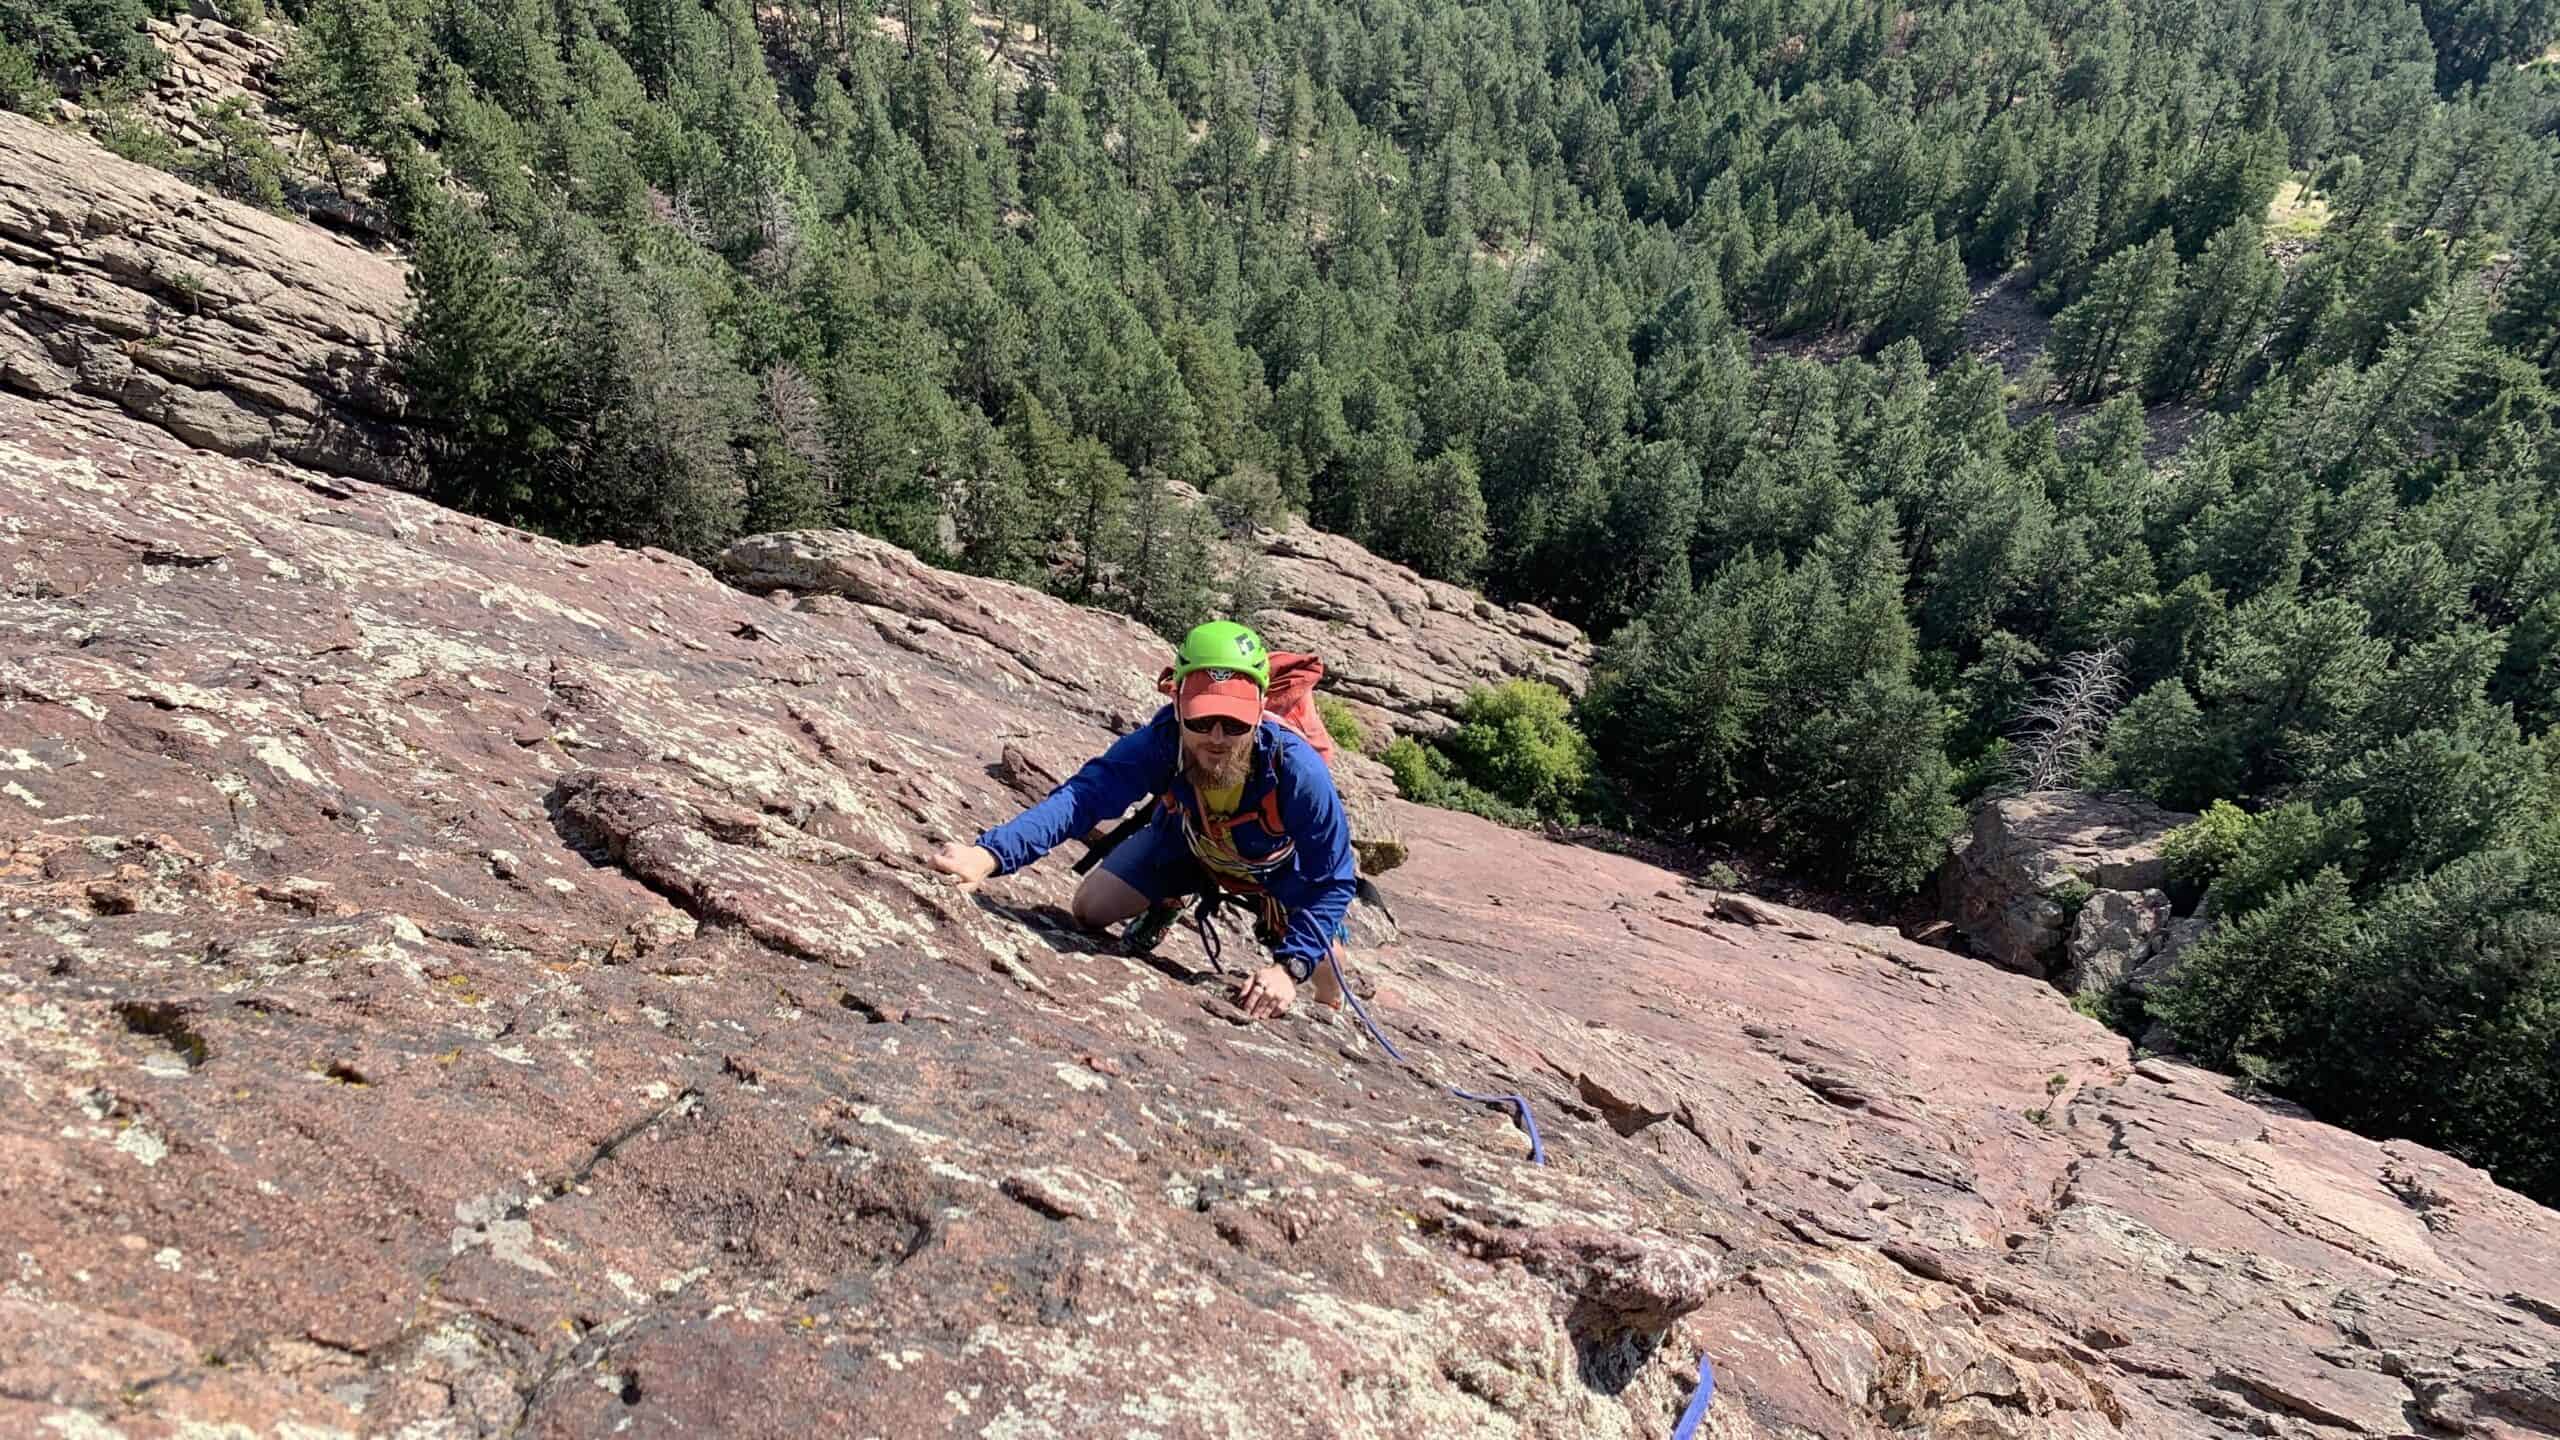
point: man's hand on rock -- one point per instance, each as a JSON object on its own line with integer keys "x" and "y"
{"x": 1268, "y": 995}
{"x": 963, "y": 867}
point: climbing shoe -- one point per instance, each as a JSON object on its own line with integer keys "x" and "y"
{"x": 1141, "y": 935}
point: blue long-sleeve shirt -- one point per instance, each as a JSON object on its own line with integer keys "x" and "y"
{"x": 1312, "y": 870}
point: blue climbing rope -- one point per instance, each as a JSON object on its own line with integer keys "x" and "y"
{"x": 1211, "y": 944}
{"x": 1698, "y": 1400}
{"x": 1520, "y": 1104}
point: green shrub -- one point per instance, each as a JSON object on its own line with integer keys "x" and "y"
{"x": 2199, "y": 850}
{"x": 21, "y": 88}
{"x": 1517, "y": 743}
{"x": 2247, "y": 858}
{"x": 1417, "y": 779}
{"x": 130, "y": 137}
{"x": 2246, "y": 994}
{"x": 1342, "y": 725}
{"x": 1423, "y": 776}
{"x": 2288, "y": 845}
{"x": 98, "y": 49}
{"x": 238, "y": 159}
{"x": 1245, "y": 499}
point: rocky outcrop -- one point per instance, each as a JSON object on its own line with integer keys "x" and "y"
{"x": 229, "y": 328}
{"x": 2017, "y": 882}
{"x": 208, "y": 65}
{"x": 1402, "y": 650}
{"x": 207, "y": 62}
{"x": 454, "y": 984}
{"x": 2112, "y": 935}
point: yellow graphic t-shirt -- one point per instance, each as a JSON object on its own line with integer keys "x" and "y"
{"x": 1222, "y": 802}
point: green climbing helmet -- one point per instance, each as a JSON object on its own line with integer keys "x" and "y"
{"x": 1223, "y": 645}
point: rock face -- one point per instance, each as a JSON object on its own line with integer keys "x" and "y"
{"x": 2006, "y": 883}
{"x": 452, "y": 984}
{"x": 208, "y": 64}
{"x": 2172, "y": 941}
{"x": 2115, "y": 931}
{"x": 229, "y": 328}
{"x": 1401, "y": 649}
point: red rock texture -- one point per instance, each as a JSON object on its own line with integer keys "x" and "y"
{"x": 456, "y": 985}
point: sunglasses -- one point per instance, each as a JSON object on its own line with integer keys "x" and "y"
{"x": 1222, "y": 725}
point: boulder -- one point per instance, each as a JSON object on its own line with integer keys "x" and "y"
{"x": 2114, "y": 931}
{"x": 2006, "y": 881}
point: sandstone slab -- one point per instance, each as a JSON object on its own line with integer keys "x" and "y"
{"x": 454, "y": 984}
{"x": 232, "y": 329}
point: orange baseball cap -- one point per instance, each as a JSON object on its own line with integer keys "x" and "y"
{"x": 1230, "y": 693}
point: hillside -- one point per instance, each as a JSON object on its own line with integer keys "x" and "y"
{"x": 454, "y": 983}
{"x": 1807, "y": 388}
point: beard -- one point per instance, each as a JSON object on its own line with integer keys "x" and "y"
{"x": 1206, "y": 774}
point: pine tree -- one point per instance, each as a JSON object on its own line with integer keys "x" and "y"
{"x": 2219, "y": 321}
{"x": 1439, "y": 527}
{"x": 1652, "y": 515}
{"x": 2106, "y": 339}
{"x": 1161, "y": 558}
{"x": 2528, "y": 317}
{"x": 2474, "y": 37}
{"x": 654, "y": 408}
{"x": 477, "y": 369}
{"x": 2250, "y": 993}
{"x": 1096, "y": 495}
{"x": 2230, "y": 184}
{"x": 2378, "y": 417}
{"x": 1919, "y": 294}
{"x": 999, "y": 530}
{"x": 351, "y": 80}
{"x": 787, "y": 489}
{"x": 97, "y": 49}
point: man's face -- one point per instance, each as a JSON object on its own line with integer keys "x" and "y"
{"x": 1218, "y": 757}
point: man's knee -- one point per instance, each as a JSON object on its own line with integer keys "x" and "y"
{"x": 1080, "y": 910}
{"x": 1102, "y": 901}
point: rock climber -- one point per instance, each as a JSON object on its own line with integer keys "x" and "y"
{"x": 1243, "y": 803}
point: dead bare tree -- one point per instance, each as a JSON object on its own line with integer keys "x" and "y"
{"x": 2062, "y": 729}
